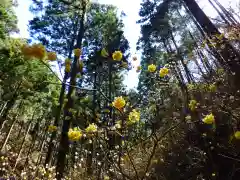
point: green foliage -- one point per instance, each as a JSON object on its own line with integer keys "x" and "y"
{"x": 8, "y": 20}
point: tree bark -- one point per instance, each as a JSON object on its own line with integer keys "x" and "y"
{"x": 231, "y": 58}
{"x": 21, "y": 148}
{"x": 61, "y": 100}
{"x": 227, "y": 13}
{"x": 188, "y": 74}
{"x": 220, "y": 14}
{"x": 10, "y": 104}
{"x": 64, "y": 143}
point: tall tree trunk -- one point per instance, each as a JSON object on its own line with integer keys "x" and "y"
{"x": 195, "y": 46}
{"x": 42, "y": 143}
{"x": 188, "y": 74}
{"x": 61, "y": 100}
{"x": 214, "y": 53}
{"x": 3, "y": 107}
{"x": 198, "y": 51}
{"x": 23, "y": 142}
{"x": 229, "y": 54}
{"x": 227, "y": 13}
{"x": 177, "y": 72}
{"x": 90, "y": 145}
{"x": 10, "y": 104}
{"x": 8, "y": 134}
{"x": 64, "y": 143}
{"x": 33, "y": 140}
{"x": 11, "y": 127}
{"x": 219, "y": 13}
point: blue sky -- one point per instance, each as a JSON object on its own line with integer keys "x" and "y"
{"x": 132, "y": 30}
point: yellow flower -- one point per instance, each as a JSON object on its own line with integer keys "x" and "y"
{"x": 192, "y": 105}
{"x": 152, "y": 68}
{"x": 237, "y": 134}
{"x": 119, "y": 102}
{"x": 133, "y": 117}
{"x": 74, "y": 134}
{"x": 92, "y": 128}
{"x": 138, "y": 68}
{"x": 209, "y": 119}
{"x": 38, "y": 51}
{"x": 67, "y": 68}
{"x": 163, "y": 72}
{"x": 134, "y": 58}
{"x": 52, "y": 128}
{"x": 26, "y": 51}
{"x": 77, "y": 52}
{"x": 117, "y": 56}
{"x": 51, "y": 56}
{"x": 68, "y": 61}
{"x": 104, "y": 53}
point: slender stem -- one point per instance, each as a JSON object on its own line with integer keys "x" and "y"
{"x": 132, "y": 163}
{"x": 155, "y": 147}
{"x": 238, "y": 160}
{"x": 51, "y": 70}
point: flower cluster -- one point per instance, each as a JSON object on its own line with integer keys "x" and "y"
{"x": 119, "y": 102}
{"x": 92, "y": 128}
{"x": 74, "y": 134}
{"x": 117, "y": 56}
{"x": 163, "y": 72}
{"x": 67, "y": 65}
{"x": 209, "y": 119}
{"x": 152, "y": 68}
{"x": 51, "y": 56}
{"x": 35, "y": 51}
{"x": 133, "y": 117}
